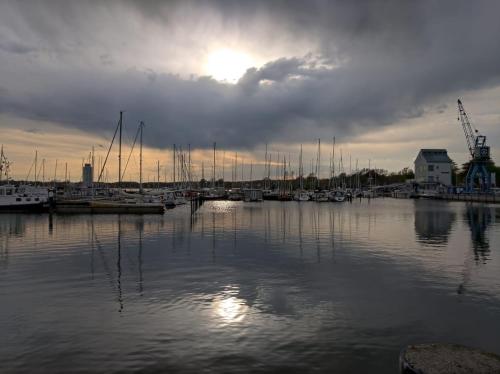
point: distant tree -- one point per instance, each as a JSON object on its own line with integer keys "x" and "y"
{"x": 311, "y": 181}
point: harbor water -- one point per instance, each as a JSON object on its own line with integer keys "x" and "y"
{"x": 247, "y": 287}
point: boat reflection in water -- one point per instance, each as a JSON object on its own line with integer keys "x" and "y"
{"x": 247, "y": 287}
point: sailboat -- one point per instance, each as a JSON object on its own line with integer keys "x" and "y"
{"x": 24, "y": 198}
{"x": 337, "y": 196}
{"x": 120, "y": 201}
{"x": 301, "y": 195}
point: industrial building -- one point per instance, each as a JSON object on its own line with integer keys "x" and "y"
{"x": 433, "y": 166}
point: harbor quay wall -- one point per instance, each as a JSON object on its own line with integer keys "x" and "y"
{"x": 479, "y": 198}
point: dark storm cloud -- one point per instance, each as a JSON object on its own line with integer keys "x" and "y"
{"x": 16, "y": 48}
{"x": 373, "y": 64}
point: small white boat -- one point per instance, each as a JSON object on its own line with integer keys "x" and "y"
{"x": 252, "y": 195}
{"x": 302, "y": 196}
{"x": 180, "y": 199}
{"x": 213, "y": 193}
{"x": 173, "y": 198}
{"x": 22, "y": 198}
{"x": 235, "y": 195}
{"x": 271, "y": 194}
{"x": 321, "y": 196}
{"x": 337, "y": 196}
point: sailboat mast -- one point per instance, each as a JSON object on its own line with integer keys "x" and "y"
{"x": 284, "y": 174}
{"x": 289, "y": 173}
{"x": 330, "y": 179}
{"x": 251, "y": 176}
{"x": 120, "y": 150}
{"x": 357, "y": 175}
{"x": 269, "y": 170}
{"x": 36, "y": 165}
{"x": 319, "y": 162}
{"x": 174, "y": 164}
{"x": 265, "y": 170}
{"x": 141, "y": 125}
{"x": 301, "y": 170}
{"x": 55, "y": 172}
{"x": 350, "y": 172}
{"x": 158, "y": 172}
{"x": 213, "y": 172}
{"x": 223, "y": 166}
{"x": 370, "y": 173}
{"x": 242, "y": 176}
{"x": 189, "y": 165}
{"x": 333, "y": 162}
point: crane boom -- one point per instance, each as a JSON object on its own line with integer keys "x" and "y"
{"x": 475, "y": 141}
{"x": 469, "y": 134}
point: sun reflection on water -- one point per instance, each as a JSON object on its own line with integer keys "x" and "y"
{"x": 230, "y": 309}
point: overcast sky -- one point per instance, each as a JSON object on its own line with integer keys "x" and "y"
{"x": 382, "y": 77}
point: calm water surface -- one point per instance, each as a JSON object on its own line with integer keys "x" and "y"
{"x": 265, "y": 287}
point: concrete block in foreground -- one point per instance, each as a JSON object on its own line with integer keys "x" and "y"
{"x": 447, "y": 359}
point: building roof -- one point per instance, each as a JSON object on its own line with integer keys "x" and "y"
{"x": 435, "y": 155}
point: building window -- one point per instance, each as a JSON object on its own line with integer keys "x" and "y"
{"x": 431, "y": 178}
{"x": 430, "y": 168}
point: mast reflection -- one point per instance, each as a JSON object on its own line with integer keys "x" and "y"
{"x": 140, "y": 229}
{"x": 119, "y": 265}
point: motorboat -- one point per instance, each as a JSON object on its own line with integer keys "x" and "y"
{"x": 271, "y": 194}
{"x": 252, "y": 195}
{"x": 213, "y": 193}
{"x": 321, "y": 196}
{"x": 179, "y": 198}
{"x": 302, "y": 196}
{"x": 23, "y": 198}
{"x": 235, "y": 195}
{"x": 337, "y": 196}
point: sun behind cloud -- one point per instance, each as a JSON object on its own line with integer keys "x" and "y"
{"x": 228, "y": 65}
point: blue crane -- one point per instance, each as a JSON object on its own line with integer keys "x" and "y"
{"x": 480, "y": 154}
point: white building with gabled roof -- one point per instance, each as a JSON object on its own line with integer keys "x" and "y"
{"x": 433, "y": 166}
